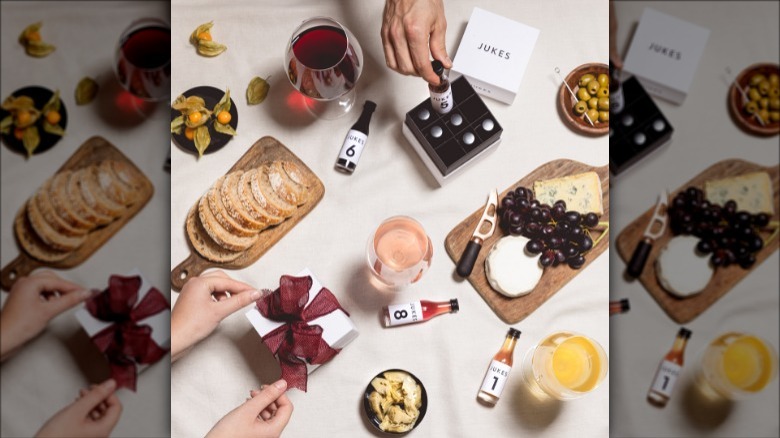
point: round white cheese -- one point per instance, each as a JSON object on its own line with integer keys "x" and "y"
{"x": 510, "y": 269}
{"x": 682, "y": 270}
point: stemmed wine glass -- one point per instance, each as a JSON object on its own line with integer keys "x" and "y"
{"x": 324, "y": 61}
{"x": 142, "y": 60}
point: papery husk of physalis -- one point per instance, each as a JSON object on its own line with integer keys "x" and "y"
{"x": 204, "y": 118}
{"x": 257, "y": 90}
{"x": 35, "y": 27}
{"x": 38, "y": 49}
{"x": 31, "y": 139}
{"x": 53, "y": 104}
{"x": 205, "y": 27}
{"x": 15, "y": 103}
{"x": 189, "y": 104}
{"x": 202, "y": 139}
{"x": 224, "y": 129}
{"x": 53, "y": 129}
{"x": 6, "y": 124}
{"x": 210, "y": 48}
{"x": 224, "y": 103}
{"x": 176, "y": 124}
{"x": 86, "y": 91}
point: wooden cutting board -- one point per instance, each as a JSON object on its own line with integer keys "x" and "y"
{"x": 512, "y": 310}
{"x": 683, "y": 310}
{"x": 94, "y": 150}
{"x": 265, "y": 150}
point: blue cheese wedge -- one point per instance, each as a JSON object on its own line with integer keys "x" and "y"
{"x": 510, "y": 269}
{"x": 581, "y": 192}
{"x": 681, "y": 269}
{"x": 752, "y": 192}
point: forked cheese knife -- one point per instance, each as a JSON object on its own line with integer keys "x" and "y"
{"x": 654, "y": 230}
{"x": 469, "y": 257}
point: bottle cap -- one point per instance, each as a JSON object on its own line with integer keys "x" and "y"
{"x": 454, "y": 304}
{"x": 684, "y": 332}
{"x": 438, "y": 67}
{"x": 369, "y": 105}
{"x": 515, "y": 333}
{"x": 624, "y": 305}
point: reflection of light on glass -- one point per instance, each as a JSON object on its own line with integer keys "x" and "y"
{"x": 128, "y": 103}
{"x": 297, "y": 101}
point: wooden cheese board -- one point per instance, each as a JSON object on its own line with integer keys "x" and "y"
{"x": 684, "y": 310}
{"x": 265, "y": 150}
{"x": 94, "y": 150}
{"x": 512, "y": 310}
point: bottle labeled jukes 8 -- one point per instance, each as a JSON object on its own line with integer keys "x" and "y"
{"x": 417, "y": 311}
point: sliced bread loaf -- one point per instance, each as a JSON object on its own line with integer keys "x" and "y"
{"x": 261, "y": 186}
{"x": 46, "y": 233}
{"x": 32, "y": 244}
{"x": 94, "y": 195}
{"x": 233, "y": 206}
{"x": 255, "y": 203}
{"x": 112, "y": 186}
{"x": 80, "y": 206}
{"x": 51, "y": 217}
{"x": 218, "y": 233}
{"x": 63, "y": 205}
{"x": 284, "y": 185}
{"x": 205, "y": 245}
{"x": 220, "y": 212}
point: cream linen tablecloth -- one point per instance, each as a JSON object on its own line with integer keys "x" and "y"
{"x": 742, "y": 33}
{"x": 47, "y": 374}
{"x": 450, "y": 354}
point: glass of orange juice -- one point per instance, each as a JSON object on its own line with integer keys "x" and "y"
{"x": 565, "y": 366}
{"x": 736, "y": 365}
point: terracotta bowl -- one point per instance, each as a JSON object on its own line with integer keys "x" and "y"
{"x": 566, "y": 101}
{"x": 745, "y": 121}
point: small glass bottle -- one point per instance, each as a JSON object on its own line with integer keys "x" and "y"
{"x": 621, "y": 306}
{"x": 417, "y": 311}
{"x": 441, "y": 95}
{"x": 668, "y": 371}
{"x": 498, "y": 371}
{"x": 356, "y": 139}
{"x": 616, "y": 99}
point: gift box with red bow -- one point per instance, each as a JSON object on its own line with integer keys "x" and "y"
{"x": 130, "y": 323}
{"x": 303, "y": 324}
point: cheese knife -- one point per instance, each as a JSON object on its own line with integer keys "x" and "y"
{"x": 489, "y": 215}
{"x": 654, "y": 230}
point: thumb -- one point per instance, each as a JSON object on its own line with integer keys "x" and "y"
{"x": 94, "y": 397}
{"x": 237, "y": 302}
{"x": 268, "y": 395}
{"x": 67, "y": 300}
{"x": 438, "y": 45}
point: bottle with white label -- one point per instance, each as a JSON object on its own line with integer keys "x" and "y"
{"x": 617, "y": 100}
{"x": 441, "y": 95}
{"x": 356, "y": 139}
{"x": 417, "y": 311}
{"x": 668, "y": 371}
{"x": 498, "y": 371}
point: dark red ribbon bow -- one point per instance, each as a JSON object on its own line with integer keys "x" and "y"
{"x": 125, "y": 342}
{"x": 296, "y": 342}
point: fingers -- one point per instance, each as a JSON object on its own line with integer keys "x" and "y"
{"x": 438, "y": 44}
{"x": 403, "y": 60}
{"x": 59, "y": 304}
{"x": 47, "y": 281}
{"x": 236, "y": 302}
{"x": 284, "y": 410}
{"x": 268, "y": 395}
{"x": 418, "y": 50}
{"x": 112, "y": 411}
{"x": 95, "y": 396}
{"x": 220, "y": 283}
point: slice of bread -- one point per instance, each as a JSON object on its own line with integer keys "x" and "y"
{"x": 63, "y": 205}
{"x": 112, "y": 186}
{"x": 298, "y": 177}
{"x": 217, "y": 233}
{"x": 43, "y": 201}
{"x": 95, "y": 197}
{"x": 255, "y": 203}
{"x": 80, "y": 206}
{"x": 205, "y": 245}
{"x": 233, "y": 206}
{"x": 46, "y": 233}
{"x": 261, "y": 186}
{"x": 129, "y": 177}
{"x": 284, "y": 185}
{"x": 220, "y": 212}
{"x": 32, "y": 244}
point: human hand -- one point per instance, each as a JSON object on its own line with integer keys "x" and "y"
{"x": 411, "y": 29}
{"x": 94, "y": 414}
{"x": 614, "y": 55}
{"x": 32, "y": 302}
{"x": 264, "y": 415}
{"x": 203, "y": 302}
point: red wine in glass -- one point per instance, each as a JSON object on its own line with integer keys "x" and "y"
{"x": 324, "y": 62}
{"x": 143, "y": 59}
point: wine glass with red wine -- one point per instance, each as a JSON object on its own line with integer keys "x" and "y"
{"x": 142, "y": 60}
{"x": 323, "y": 62}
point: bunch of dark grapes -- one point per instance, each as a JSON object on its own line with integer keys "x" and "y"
{"x": 560, "y": 236}
{"x": 729, "y": 235}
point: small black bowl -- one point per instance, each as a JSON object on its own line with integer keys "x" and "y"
{"x": 374, "y": 420}
{"x": 211, "y": 96}
{"x": 40, "y": 96}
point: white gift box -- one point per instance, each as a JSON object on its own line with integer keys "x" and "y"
{"x": 160, "y": 323}
{"x": 665, "y": 53}
{"x": 494, "y": 53}
{"x": 338, "y": 330}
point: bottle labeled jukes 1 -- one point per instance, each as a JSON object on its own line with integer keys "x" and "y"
{"x": 441, "y": 95}
{"x": 498, "y": 370}
{"x": 356, "y": 139}
{"x": 668, "y": 371}
{"x": 417, "y": 311}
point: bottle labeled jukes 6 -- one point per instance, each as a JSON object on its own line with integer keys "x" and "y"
{"x": 498, "y": 370}
{"x": 356, "y": 139}
{"x": 441, "y": 95}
